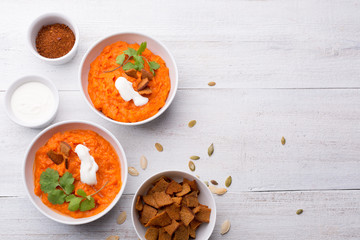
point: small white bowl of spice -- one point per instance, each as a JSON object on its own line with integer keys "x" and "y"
{"x": 32, "y": 101}
{"x": 53, "y": 38}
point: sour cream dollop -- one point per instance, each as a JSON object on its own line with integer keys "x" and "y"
{"x": 32, "y": 102}
{"x": 127, "y": 92}
{"x": 88, "y": 167}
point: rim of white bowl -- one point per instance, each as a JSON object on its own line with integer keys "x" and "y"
{"x": 164, "y": 173}
{"x": 48, "y": 15}
{"x": 112, "y": 204}
{"x": 169, "y": 99}
{"x": 25, "y": 79}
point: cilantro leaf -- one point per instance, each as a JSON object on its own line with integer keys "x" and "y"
{"x": 56, "y": 196}
{"x": 138, "y": 59}
{"x": 87, "y": 204}
{"x": 74, "y": 202}
{"x": 129, "y": 66}
{"x": 141, "y": 48}
{"x": 154, "y": 65}
{"x": 49, "y": 180}
{"x": 130, "y": 52}
{"x": 120, "y": 59}
{"x": 66, "y": 182}
{"x": 81, "y": 192}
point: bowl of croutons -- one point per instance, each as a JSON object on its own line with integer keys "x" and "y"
{"x": 173, "y": 205}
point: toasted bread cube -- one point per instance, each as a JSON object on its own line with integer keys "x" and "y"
{"x": 163, "y": 235}
{"x": 203, "y": 215}
{"x": 186, "y": 189}
{"x": 191, "y": 200}
{"x": 173, "y": 187}
{"x": 192, "y": 232}
{"x": 162, "y": 199}
{"x": 147, "y": 213}
{"x": 177, "y": 200}
{"x": 195, "y": 224}
{"x": 139, "y": 205}
{"x": 150, "y": 200}
{"x": 182, "y": 233}
{"x": 192, "y": 184}
{"x": 170, "y": 229}
{"x": 173, "y": 211}
{"x": 160, "y": 186}
{"x": 160, "y": 220}
{"x": 186, "y": 215}
{"x": 152, "y": 234}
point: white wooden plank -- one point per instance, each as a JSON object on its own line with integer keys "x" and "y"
{"x": 327, "y": 215}
{"x": 239, "y": 44}
{"x": 320, "y": 126}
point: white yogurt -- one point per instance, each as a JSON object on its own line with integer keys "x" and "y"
{"x": 32, "y": 102}
{"x": 88, "y": 167}
{"x": 127, "y": 92}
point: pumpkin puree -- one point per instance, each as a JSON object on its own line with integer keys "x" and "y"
{"x": 106, "y": 97}
{"x": 106, "y": 158}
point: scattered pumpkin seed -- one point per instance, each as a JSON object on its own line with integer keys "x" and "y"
{"x": 300, "y": 211}
{"x": 218, "y": 191}
{"x": 206, "y": 183}
{"x": 225, "y": 227}
{"x": 143, "y": 162}
{"x": 228, "y": 181}
{"x": 192, "y": 123}
{"x": 194, "y": 157}
{"x": 133, "y": 172}
{"x": 211, "y": 150}
{"x": 113, "y": 238}
{"x": 283, "y": 141}
{"x": 191, "y": 165}
{"x": 121, "y": 218}
{"x": 159, "y": 147}
{"x": 214, "y": 182}
{"x": 211, "y": 84}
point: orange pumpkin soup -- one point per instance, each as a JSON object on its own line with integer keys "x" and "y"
{"x": 106, "y": 97}
{"x": 106, "y": 158}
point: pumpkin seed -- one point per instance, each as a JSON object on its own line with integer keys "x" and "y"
{"x": 214, "y": 182}
{"x": 221, "y": 191}
{"x": 225, "y": 227}
{"x": 121, "y": 218}
{"x": 300, "y": 211}
{"x": 113, "y": 238}
{"x": 206, "y": 183}
{"x": 192, "y": 123}
{"x": 283, "y": 141}
{"x": 159, "y": 147}
{"x": 191, "y": 165}
{"x": 228, "y": 181}
{"x": 212, "y": 189}
{"x": 194, "y": 157}
{"x": 133, "y": 172}
{"x": 211, "y": 150}
{"x": 211, "y": 84}
{"x": 143, "y": 162}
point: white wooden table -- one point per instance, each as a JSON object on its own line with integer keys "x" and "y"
{"x": 283, "y": 68}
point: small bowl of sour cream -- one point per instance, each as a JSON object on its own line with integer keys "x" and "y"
{"x": 32, "y": 101}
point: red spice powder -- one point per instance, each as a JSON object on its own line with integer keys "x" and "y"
{"x": 54, "y": 41}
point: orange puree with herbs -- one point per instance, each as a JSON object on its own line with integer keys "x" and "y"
{"x": 106, "y": 97}
{"x": 106, "y": 158}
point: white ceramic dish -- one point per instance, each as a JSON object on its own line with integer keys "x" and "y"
{"x": 41, "y": 139}
{"x": 47, "y": 19}
{"x": 17, "y": 83}
{"x": 205, "y": 197}
{"x": 130, "y": 37}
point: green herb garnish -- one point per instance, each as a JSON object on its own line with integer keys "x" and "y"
{"x": 50, "y": 181}
{"x": 138, "y": 60}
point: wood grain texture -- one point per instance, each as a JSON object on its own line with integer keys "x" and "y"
{"x": 282, "y": 67}
{"x": 264, "y": 216}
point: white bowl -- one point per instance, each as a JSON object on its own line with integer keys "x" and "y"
{"x": 17, "y": 83}
{"x": 154, "y": 45}
{"x": 40, "y": 140}
{"x": 205, "y": 197}
{"x": 48, "y": 19}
